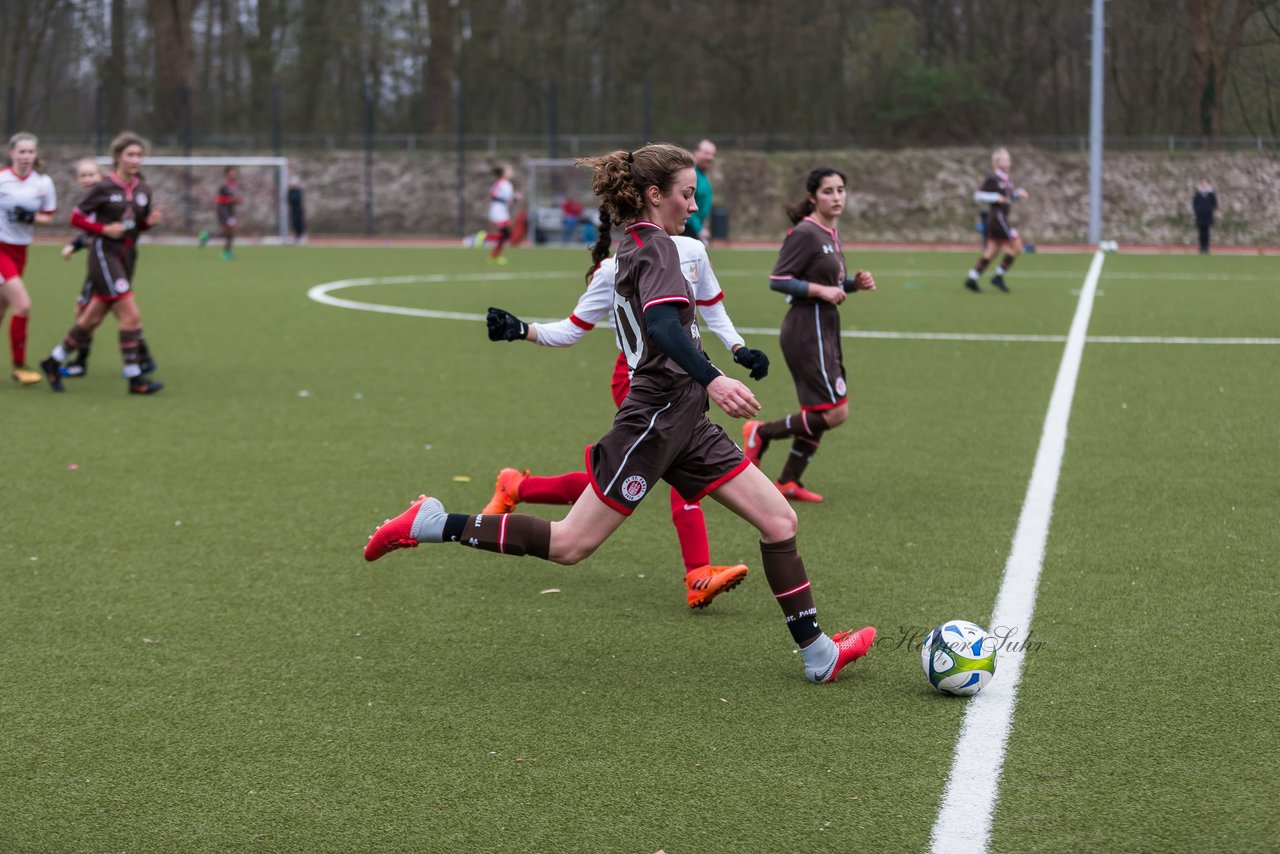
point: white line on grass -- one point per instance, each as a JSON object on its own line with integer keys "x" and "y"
{"x": 968, "y": 803}
{"x": 321, "y": 294}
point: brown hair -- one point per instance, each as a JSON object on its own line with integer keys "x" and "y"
{"x": 122, "y": 141}
{"x": 604, "y": 238}
{"x": 799, "y": 211}
{"x": 621, "y": 177}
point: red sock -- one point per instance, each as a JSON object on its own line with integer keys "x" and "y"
{"x": 18, "y": 339}
{"x": 691, "y": 529}
{"x": 497, "y": 247}
{"x": 561, "y": 489}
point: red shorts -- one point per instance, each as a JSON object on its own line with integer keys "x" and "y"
{"x": 13, "y": 260}
{"x": 620, "y": 384}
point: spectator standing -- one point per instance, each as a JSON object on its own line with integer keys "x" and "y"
{"x": 699, "y": 224}
{"x": 1204, "y": 203}
{"x": 297, "y": 214}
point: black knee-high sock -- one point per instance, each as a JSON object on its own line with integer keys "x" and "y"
{"x": 802, "y": 423}
{"x": 802, "y": 450}
{"x": 509, "y": 534}
{"x": 784, "y": 570}
{"x": 976, "y": 272}
{"x": 129, "y": 352}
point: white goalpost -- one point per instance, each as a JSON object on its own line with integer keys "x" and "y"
{"x": 549, "y": 182}
{"x": 280, "y": 164}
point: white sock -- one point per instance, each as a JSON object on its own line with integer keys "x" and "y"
{"x": 820, "y": 658}
{"x": 428, "y": 524}
{"x": 999, "y": 271}
{"x": 59, "y": 353}
{"x": 132, "y": 372}
{"x": 974, "y": 275}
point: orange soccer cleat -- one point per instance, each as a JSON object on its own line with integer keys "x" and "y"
{"x": 753, "y": 444}
{"x": 707, "y": 582}
{"x": 794, "y": 491}
{"x": 851, "y": 646}
{"x": 506, "y": 492}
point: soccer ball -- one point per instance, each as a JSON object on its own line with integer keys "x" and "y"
{"x": 958, "y": 658}
{"x": 1109, "y": 246}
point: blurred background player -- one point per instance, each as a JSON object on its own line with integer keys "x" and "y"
{"x": 703, "y": 581}
{"x": 1204, "y": 204}
{"x": 227, "y": 200}
{"x": 502, "y": 195}
{"x": 297, "y": 212}
{"x": 698, "y": 226}
{"x": 27, "y": 198}
{"x": 115, "y": 211}
{"x": 88, "y": 173}
{"x": 999, "y": 193}
{"x": 661, "y": 431}
{"x": 811, "y": 271}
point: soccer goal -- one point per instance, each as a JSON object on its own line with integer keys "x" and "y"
{"x": 187, "y": 196}
{"x": 553, "y": 184}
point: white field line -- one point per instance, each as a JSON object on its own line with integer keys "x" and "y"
{"x": 322, "y": 294}
{"x": 968, "y": 803}
{"x": 909, "y": 273}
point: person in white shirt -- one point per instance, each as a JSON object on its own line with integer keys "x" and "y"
{"x": 27, "y": 198}
{"x": 502, "y": 195}
{"x": 703, "y": 581}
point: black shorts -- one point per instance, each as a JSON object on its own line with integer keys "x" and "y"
{"x": 672, "y": 440}
{"x": 810, "y": 342}
{"x": 999, "y": 230}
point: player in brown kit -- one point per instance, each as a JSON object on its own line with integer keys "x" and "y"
{"x": 998, "y": 192}
{"x": 661, "y": 430}
{"x": 115, "y": 211}
{"x": 811, "y": 271}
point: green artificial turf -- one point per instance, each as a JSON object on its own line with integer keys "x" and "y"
{"x": 197, "y": 658}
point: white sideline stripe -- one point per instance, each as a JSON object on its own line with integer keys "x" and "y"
{"x": 321, "y": 294}
{"x": 909, "y": 273}
{"x": 968, "y": 803}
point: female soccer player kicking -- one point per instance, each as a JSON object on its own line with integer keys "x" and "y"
{"x": 661, "y": 430}
{"x": 811, "y": 272}
{"x": 703, "y": 581}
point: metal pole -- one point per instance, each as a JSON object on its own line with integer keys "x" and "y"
{"x": 184, "y": 116}
{"x": 648, "y": 114}
{"x": 552, "y": 119}
{"x": 277, "y": 137}
{"x": 461, "y": 127}
{"x": 1095, "y": 125}
{"x": 368, "y": 159}
{"x": 99, "y": 119}
{"x": 10, "y": 112}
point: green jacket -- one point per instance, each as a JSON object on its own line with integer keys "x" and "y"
{"x": 703, "y": 196}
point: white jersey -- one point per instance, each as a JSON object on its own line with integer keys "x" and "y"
{"x": 33, "y": 193}
{"x": 596, "y": 303}
{"x": 500, "y": 198}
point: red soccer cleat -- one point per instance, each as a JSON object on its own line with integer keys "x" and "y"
{"x": 707, "y": 582}
{"x": 394, "y": 533}
{"x": 753, "y": 444}
{"x": 851, "y": 646}
{"x": 795, "y": 492}
{"x": 506, "y": 492}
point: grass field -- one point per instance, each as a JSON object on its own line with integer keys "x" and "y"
{"x": 197, "y": 658}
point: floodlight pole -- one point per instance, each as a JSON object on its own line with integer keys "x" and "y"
{"x": 1095, "y": 125}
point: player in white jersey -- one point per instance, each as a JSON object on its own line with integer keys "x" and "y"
{"x": 27, "y": 198}
{"x": 703, "y": 581}
{"x": 502, "y": 195}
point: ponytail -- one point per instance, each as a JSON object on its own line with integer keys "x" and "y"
{"x": 604, "y": 239}
{"x": 620, "y": 178}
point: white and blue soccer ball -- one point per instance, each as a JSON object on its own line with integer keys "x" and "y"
{"x": 959, "y": 657}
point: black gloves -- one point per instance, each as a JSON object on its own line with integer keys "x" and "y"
{"x": 754, "y": 361}
{"x": 24, "y": 216}
{"x": 505, "y": 326}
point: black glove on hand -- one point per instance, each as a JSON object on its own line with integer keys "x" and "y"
{"x": 505, "y": 326}
{"x": 24, "y": 216}
{"x": 754, "y": 361}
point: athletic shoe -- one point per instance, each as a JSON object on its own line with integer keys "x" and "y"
{"x": 851, "y": 646}
{"x": 972, "y": 284}
{"x": 707, "y": 582}
{"x": 147, "y": 366}
{"x": 140, "y": 385}
{"x": 795, "y": 491}
{"x": 74, "y": 370}
{"x": 26, "y": 376}
{"x": 998, "y": 283}
{"x": 753, "y": 444}
{"x": 204, "y": 238}
{"x": 506, "y": 492}
{"x": 501, "y": 260}
{"x": 397, "y": 533}
{"x": 477, "y": 242}
{"x": 228, "y": 256}
{"x": 53, "y": 373}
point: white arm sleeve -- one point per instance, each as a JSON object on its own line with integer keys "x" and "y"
{"x": 706, "y": 291}
{"x": 593, "y": 306}
{"x": 983, "y": 198}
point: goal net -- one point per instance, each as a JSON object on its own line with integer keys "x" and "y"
{"x": 186, "y": 187}
{"x": 562, "y": 208}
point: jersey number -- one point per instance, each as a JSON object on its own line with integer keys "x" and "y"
{"x": 630, "y": 336}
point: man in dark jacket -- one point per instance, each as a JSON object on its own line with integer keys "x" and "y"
{"x": 1204, "y": 203}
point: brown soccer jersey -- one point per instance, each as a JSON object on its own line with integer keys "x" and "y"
{"x": 997, "y": 219}
{"x": 811, "y": 253}
{"x": 111, "y": 200}
{"x": 648, "y": 275}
